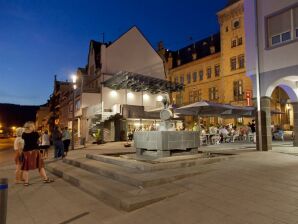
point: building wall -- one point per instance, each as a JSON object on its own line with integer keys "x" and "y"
{"x": 118, "y": 97}
{"x": 42, "y": 117}
{"x": 132, "y": 52}
{"x": 203, "y": 85}
{"x": 275, "y": 63}
{"x": 273, "y": 59}
{"x": 225, "y": 81}
{"x": 228, "y": 32}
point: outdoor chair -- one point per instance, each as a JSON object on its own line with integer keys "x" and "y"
{"x": 203, "y": 140}
{"x": 235, "y": 136}
{"x": 215, "y": 139}
{"x": 226, "y": 138}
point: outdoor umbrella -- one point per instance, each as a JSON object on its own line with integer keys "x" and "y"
{"x": 203, "y": 108}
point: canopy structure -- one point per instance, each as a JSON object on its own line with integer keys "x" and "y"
{"x": 205, "y": 108}
{"x": 137, "y": 83}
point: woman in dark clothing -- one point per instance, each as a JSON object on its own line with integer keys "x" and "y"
{"x": 32, "y": 158}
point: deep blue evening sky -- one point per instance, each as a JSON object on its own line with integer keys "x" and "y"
{"x": 40, "y": 38}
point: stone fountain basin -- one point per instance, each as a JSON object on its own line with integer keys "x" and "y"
{"x": 163, "y": 142}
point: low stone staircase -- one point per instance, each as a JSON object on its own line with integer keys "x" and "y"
{"x": 124, "y": 183}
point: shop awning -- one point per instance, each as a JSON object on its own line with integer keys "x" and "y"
{"x": 137, "y": 83}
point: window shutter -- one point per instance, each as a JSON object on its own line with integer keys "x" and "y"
{"x": 279, "y": 23}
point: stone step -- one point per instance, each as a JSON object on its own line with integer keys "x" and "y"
{"x": 113, "y": 193}
{"x": 105, "y": 169}
{"x": 133, "y": 178}
{"x": 160, "y": 164}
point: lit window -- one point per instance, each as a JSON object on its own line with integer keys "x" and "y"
{"x": 240, "y": 41}
{"x": 209, "y": 72}
{"x": 233, "y": 43}
{"x": 233, "y": 63}
{"x": 217, "y": 70}
{"x": 182, "y": 79}
{"x": 238, "y": 90}
{"x": 241, "y": 61}
{"x": 201, "y": 74}
{"x": 176, "y": 79}
{"x": 194, "y": 76}
{"x": 213, "y": 94}
{"x": 188, "y": 78}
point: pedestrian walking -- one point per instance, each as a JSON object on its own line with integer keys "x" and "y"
{"x": 58, "y": 144}
{"x": 32, "y": 157}
{"x": 18, "y": 149}
{"x": 65, "y": 140}
{"x": 45, "y": 144}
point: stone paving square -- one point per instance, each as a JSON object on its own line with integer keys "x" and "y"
{"x": 251, "y": 188}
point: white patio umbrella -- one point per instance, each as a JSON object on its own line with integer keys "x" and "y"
{"x": 204, "y": 108}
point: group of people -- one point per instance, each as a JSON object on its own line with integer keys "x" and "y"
{"x": 31, "y": 149}
{"x": 28, "y": 155}
{"x": 226, "y": 133}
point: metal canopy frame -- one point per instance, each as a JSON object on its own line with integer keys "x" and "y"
{"x": 141, "y": 83}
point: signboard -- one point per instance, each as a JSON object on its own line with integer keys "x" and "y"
{"x": 248, "y": 97}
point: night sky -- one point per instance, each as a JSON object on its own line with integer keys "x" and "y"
{"x": 40, "y": 38}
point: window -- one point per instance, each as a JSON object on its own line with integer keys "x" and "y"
{"x": 77, "y": 105}
{"x": 239, "y": 41}
{"x": 191, "y": 98}
{"x": 233, "y": 63}
{"x": 238, "y": 90}
{"x": 179, "y": 99}
{"x": 194, "y": 76}
{"x": 236, "y": 23}
{"x": 201, "y": 74}
{"x": 213, "y": 94}
{"x": 282, "y": 27}
{"x": 176, "y": 79}
{"x": 233, "y": 43}
{"x": 199, "y": 96}
{"x": 295, "y": 15}
{"x": 188, "y": 78}
{"x": 195, "y": 95}
{"x": 182, "y": 79}
{"x": 241, "y": 61}
{"x": 227, "y": 29}
{"x": 217, "y": 70}
{"x": 208, "y": 72}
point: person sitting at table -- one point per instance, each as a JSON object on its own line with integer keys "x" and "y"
{"x": 195, "y": 127}
{"x": 224, "y": 134}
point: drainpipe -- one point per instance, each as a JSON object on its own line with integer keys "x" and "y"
{"x": 258, "y": 80}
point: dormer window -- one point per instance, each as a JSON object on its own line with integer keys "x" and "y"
{"x": 194, "y": 56}
{"x": 178, "y": 62}
{"x": 212, "y": 49}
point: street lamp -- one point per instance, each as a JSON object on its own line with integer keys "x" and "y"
{"x": 74, "y": 86}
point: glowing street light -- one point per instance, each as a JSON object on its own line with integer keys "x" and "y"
{"x": 74, "y": 86}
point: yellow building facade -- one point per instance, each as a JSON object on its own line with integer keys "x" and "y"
{"x": 213, "y": 69}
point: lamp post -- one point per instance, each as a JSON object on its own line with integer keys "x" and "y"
{"x": 74, "y": 86}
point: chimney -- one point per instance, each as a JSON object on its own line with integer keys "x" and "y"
{"x": 194, "y": 52}
{"x": 212, "y": 47}
{"x": 178, "y": 59}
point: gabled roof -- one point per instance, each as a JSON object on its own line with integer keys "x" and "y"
{"x": 201, "y": 48}
{"x": 97, "y": 49}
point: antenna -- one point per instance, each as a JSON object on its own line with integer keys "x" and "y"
{"x": 103, "y": 37}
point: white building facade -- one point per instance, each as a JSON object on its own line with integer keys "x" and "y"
{"x": 271, "y": 28}
{"x": 119, "y": 110}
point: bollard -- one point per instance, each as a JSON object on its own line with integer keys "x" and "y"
{"x": 3, "y": 199}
